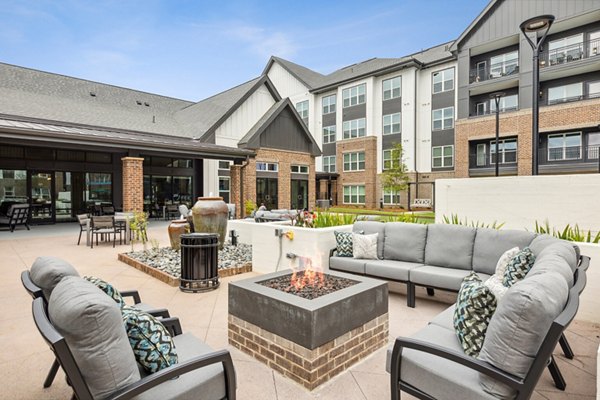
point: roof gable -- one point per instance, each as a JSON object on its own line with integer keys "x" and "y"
{"x": 308, "y": 77}
{"x": 281, "y": 128}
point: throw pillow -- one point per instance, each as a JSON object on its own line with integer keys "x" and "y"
{"x": 474, "y": 309}
{"x": 151, "y": 342}
{"x": 494, "y": 282}
{"x": 364, "y": 246}
{"x": 518, "y": 267}
{"x": 107, "y": 288}
{"x": 344, "y": 243}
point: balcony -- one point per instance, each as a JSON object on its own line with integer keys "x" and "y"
{"x": 480, "y": 112}
{"x": 570, "y": 99}
{"x": 571, "y": 53}
{"x": 568, "y": 159}
{"x": 484, "y": 165}
{"x": 494, "y": 71}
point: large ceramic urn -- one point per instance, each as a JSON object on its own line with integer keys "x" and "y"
{"x": 210, "y": 216}
{"x": 177, "y": 228}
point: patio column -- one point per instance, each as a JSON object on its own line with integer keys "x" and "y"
{"x": 234, "y": 190}
{"x": 133, "y": 184}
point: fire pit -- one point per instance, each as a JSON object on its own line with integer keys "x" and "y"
{"x": 308, "y": 334}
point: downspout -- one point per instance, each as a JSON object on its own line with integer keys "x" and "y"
{"x": 415, "y": 144}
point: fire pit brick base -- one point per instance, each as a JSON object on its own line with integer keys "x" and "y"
{"x": 310, "y": 368}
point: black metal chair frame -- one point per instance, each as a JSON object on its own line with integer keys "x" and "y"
{"x": 36, "y": 292}
{"x": 523, "y": 386}
{"x": 18, "y": 215}
{"x": 75, "y": 378}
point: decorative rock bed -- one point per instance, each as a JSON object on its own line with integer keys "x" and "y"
{"x": 164, "y": 263}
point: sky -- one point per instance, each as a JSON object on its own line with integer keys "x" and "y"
{"x": 195, "y": 49}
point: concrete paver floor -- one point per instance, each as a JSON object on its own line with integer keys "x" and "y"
{"x": 26, "y": 359}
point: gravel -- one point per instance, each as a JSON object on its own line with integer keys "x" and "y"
{"x": 168, "y": 260}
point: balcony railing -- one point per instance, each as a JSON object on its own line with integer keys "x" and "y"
{"x": 493, "y": 71}
{"x": 573, "y": 98}
{"x": 550, "y": 155}
{"x": 570, "y": 53}
{"x": 485, "y": 161}
{"x": 493, "y": 112}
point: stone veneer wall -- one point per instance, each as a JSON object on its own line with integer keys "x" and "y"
{"x": 310, "y": 368}
{"x": 559, "y": 117}
{"x": 133, "y": 184}
{"x": 367, "y": 177}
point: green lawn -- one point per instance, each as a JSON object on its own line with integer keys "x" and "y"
{"x": 426, "y": 217}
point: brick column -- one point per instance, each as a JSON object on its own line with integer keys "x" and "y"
{"x": 133, "y": 184}
{"x": 234, "y": 190}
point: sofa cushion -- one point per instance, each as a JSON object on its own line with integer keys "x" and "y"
{"x": 92, "y": 326}
{"x": 46, "y": 272}
{"x": 518, "y": 267}
{"x": 344, "y": 243}
{"x": 563, "y": 249}
{"x": 439, "y": 277}
{"x": 445, "y": 319}
{"x": 449, "y": 246}
{"x": 490, "y": 244}
{"x": 370, "y": 227}
{"x": 519, "y": 325}
{"x": 347, "y": 264}
{"x": 547, "y": 262}
{"x": 540, "y": 242}
{"x": 151, "y": 342}
{"x": 364, "y": 246}
{"x": 206, "y": 383}
{"x": 436, "y": 376}
{"x": 405, "y": 242}
{"x": 107, "y": 288}
{"x": 474, "y": 308}
{"x": 390, "y": 269}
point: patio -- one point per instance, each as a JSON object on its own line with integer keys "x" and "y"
{"x": 27, "y": 359}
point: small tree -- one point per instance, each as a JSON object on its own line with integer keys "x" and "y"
{"x": 394, "y": 177}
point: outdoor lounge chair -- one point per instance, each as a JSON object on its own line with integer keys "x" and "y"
{"x": 49, "y": 271}
{"x": 17, "y": 214}
{"x": 200, "y": 372}
{"x": 103, "y": 225}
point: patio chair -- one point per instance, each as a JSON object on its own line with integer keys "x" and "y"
{"x": 17, "y": 214}
{"x": 83, "y": 225}
{"x": 76, "y": 304}
{"x": 108, "y": 210}
{"x": 103, "y": 225}
{"x": 48, "y": 271}
{"x": 171, "y": 211}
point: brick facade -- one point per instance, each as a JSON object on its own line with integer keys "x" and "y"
{"x": 133, "y": 184}
{"x": 559, "y": 117}
{"x": 366, "y": 177}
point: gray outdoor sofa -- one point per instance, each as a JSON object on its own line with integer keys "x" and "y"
{"x": 523, "y": 331}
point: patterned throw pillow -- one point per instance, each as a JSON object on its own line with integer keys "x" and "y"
{"x": 474, "y": 309}
{"x": 151, "y": 342}
{"x": 364, "y": 246}
{"x": 518, "y": 267}
{"x": 494, "y": 282}
{"x": 344, "y": 243}
{"x": 107, "y": 288}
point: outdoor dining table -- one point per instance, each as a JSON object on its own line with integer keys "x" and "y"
{"x": 118, "y": 218}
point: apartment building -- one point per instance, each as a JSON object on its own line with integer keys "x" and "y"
{"x": 494, "y": 56}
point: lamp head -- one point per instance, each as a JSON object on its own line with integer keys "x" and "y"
{"x": 537, "y": 23}
{"x": 497, "y": 95}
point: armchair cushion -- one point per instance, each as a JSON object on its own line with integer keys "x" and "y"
{"x": 107, "y": 288}
{"x": 46, "y": 272}
{"x": 518, "y": 267}
{"x": 92, "y": 326}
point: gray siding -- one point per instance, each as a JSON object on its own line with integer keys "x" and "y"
{"x": 388, "y": 141}
{"x": 442, "y": 138}
{"x": 392, "y": 106}
{"x": 285, "y": 134}
{"x": 329, "y": 119}
{"x": 329, "y": 149}
{"x": 354, "y": 112}
{"x": 442, "y": 100}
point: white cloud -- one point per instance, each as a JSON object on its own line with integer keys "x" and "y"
{"x": 262, "y": 42}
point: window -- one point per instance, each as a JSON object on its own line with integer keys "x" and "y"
{"x": 388, "y": 161}
{"x": 302, "y": 109}
{"x": 329, "y": 104}
{"x": 329, "y": 134}
{"x": 443, "y": 80}
{"x": 299, "y": 169}
{"x": 565, "y": 93}
{"x": 443, "y": 118}
{"x": 391, "y": 197}
{"x": 13, "y": 185}
{"x": 593, "y": 146}
{"x": 354, "y": 128}
{"x": 507, "y": 149}
{"x": 354, "y": 194}
{"x": 504, "y": 64}
{"x": 182, "y": 163}
{"x": 507, "y": 103}
{"x": 224, "y": 165}
{"x": 354, "y": 95}
{"x": 594, "y": 44}
{"x": 481, "y": 149}
{"x": 98, "y": 187}
{"x": 564, "y": 146}
{"x": 391, "y": 124}
{"x": 594, "y": 89}
{"x": 392, "y": 88}
{"x": 354, "y": 161}
{"x": 328, "y": 163}
{"x": 442, "y": 156}
{"x": 566, "y": 49}
{"x": 224, "y": 184}
{"x": 481, "y": 108}
{"x": 267, "y": 166}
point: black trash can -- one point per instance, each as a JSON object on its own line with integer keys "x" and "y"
{"x": 199, "y": 262}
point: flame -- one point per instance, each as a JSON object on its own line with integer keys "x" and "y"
{"x": 312, "y": 276}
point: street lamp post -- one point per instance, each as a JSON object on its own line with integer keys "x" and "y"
{"x": 536, "y": 24}
{"x": 496, "y": 97}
